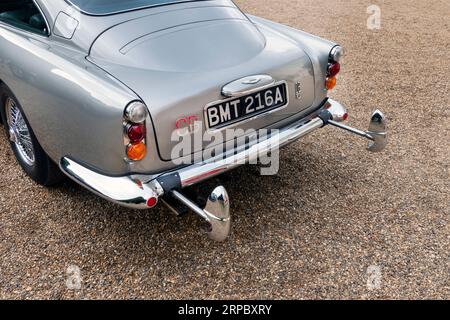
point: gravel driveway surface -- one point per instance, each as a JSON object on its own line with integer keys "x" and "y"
{"x": 333, "y": 219}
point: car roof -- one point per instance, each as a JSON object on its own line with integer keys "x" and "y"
{"x": 91, "y": 26}
{"x": 123, "y": 6}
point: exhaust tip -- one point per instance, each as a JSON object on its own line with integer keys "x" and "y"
{"x": 378, "y": 131}
{"x": 218, "y": 212}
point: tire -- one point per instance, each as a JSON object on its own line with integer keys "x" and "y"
{"x": 29, "y": 153}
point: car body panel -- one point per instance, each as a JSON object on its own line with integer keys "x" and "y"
{"x": 74, "y": 94}
{"x": 315, "y": 47}
{"x": 178, "y": 62}
{"x": 67, "y": 100}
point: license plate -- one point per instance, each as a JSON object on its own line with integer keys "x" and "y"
{"x": 227, "y": 112}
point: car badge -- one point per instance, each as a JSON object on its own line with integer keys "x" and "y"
{"x": 188, "y": 125}
{"x": 298, "y": 90}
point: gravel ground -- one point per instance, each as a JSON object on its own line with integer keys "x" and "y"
{"x": 311, "y": 232}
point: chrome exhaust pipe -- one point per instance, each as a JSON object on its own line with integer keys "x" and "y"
{"x": 216, "y": 212}
{"x": 377, "y": 133}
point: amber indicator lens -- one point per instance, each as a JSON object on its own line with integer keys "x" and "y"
{"x": 137, "y": 151}
{"x": 331, "y": 83}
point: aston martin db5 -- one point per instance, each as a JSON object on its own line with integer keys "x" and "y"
{"x": 134, "y": 100}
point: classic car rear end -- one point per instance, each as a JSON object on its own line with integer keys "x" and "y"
{"x": 182, "y": 59}
{"x": 122, "y": 84}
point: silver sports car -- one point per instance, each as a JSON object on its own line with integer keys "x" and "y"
{"x": 137, "y": 100}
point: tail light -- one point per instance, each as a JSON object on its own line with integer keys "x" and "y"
{"x": 135, "y": 131}
{"x": 331, "y": 83}
{"x": 152, "y": 202}
{"x": 334, "y": 67}
{"x": 336, "y": 54}
{"x": 136, "y": 151}
{"x": 136, "y": 112}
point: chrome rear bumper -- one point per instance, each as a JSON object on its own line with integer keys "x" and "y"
{"x": 143, "y": 191}
{"x": 136, "y": 191}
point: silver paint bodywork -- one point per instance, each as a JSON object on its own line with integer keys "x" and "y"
{"x": 74, "y": 84}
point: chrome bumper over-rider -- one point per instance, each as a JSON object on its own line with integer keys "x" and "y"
{"x": 137, "y": 193}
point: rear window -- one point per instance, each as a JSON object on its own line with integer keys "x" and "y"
{"x": 104, "y": 7}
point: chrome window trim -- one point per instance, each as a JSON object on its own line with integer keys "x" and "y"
{"x": 69, "y": 2}
{"x": 38, "y": 6}
{"x": 49, "y": 33}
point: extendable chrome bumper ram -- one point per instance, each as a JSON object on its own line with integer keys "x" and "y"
{"x": 136, "y": 192}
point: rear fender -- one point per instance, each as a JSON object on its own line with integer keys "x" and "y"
{"x": 74, "y": 107}
{"x": 318, "y": 50}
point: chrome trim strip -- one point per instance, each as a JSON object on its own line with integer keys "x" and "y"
{"x": 206, "y": 170}
{"x": 247, "y": 85}
{"x": 49, "y": 33}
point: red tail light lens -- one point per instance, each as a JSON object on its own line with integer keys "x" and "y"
{"x": 152, "y": 202}
{"x": 136, "y": 132}
{"x": 345, "y": 117}
{"x": 333, "y": 69}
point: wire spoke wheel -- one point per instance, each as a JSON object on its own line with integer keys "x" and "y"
{"x": 19, "y": 132}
